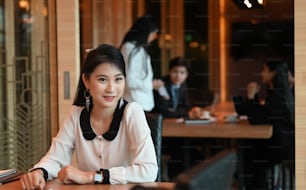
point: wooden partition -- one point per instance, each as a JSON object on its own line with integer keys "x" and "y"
{"x": 68, "y": 54}
{"x": 300, "y": 92}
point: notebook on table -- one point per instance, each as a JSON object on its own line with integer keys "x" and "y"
{"x": 9, "y": 175}
{"x": 197, "y": 121}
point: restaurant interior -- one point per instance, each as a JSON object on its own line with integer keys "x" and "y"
{"x": 43, "y": 43}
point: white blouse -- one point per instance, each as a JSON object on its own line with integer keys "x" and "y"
{"x": 139, "y": 76}
{"x": 130, "y": 156}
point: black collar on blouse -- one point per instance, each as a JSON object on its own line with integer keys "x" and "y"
{"x": 114, "y": 126}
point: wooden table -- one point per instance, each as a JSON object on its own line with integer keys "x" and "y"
{"x": 218, "y": 129}
{"x": 240, "y": 131}
{"x": 57, "y": 185}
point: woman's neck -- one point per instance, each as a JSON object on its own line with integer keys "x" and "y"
{"x": 101, "y": 118}
{"x": 102, "y": 113}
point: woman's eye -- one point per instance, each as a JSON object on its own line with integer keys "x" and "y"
{"x": 119, "y": 79}
{"x": 102, "y": 79}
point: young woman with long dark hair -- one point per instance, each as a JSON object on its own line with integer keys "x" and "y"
{"x": 278, "y": 110}
{"x": 109, "y": 136}
{"x": 134, "y": 48}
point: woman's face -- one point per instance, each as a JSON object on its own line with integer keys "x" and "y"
{"x": 152, "y": 36}
{"x": 106, "y": 85}
{"x": 290, "y": 79}
{"x": 266, "y": 74}
{"x": 178, "y": 75}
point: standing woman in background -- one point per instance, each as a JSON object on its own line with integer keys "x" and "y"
{"x": 139, "y": 80}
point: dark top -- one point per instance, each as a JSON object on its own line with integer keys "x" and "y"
{"x": 165, "y": 107}
{"x": 281, "y": 145}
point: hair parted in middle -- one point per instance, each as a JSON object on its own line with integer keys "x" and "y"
{"x": 104, "y": 53}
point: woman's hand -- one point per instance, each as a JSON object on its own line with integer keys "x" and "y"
{"x": 198, "y": 113}
{"x": 157, "y": 83}
{"x": 252, "y": 90}
{"x": 33, "y": 180}
{"x": 70, "y": 174}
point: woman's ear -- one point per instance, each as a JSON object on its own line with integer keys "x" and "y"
{"x": 85, "y": 80}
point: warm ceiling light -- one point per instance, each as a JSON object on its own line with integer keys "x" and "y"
{"x": 248, "y": 4}
{"x": 260, "y": 2}
{"x": 167, "y": 37}
{"x": 194, "y": 44}
{"x": 45, "y": 11}
{"x": 24, "y": 4}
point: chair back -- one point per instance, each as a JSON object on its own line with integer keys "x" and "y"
{"x": 155, "y": 122}
{"x": 214, "y": 173}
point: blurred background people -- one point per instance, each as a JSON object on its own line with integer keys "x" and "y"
{"x": 291, "y": 77}
{"x": 260, "y": 156}
{"x": 134, "y": 48}
{"x": 174, "y": 102}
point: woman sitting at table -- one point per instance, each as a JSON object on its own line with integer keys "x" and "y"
{"x": 110, "y": 137}
{"x": 277, "y": 109}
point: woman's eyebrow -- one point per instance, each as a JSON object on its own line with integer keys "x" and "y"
{"x": 105, "y": 75}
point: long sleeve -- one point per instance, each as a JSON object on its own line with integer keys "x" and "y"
{"x": 183, "y": 104}
{"x": 136, "y": 66}
{"x": 139, "y": 76}
{"x": 61, "y": 150}
{"x": 273, "y": 110}
{"x": 164, "y": 106}
{"x": 130, "y": 157}
{"x": 281, "y": 146}
{"x": 143, "y": 164}
{"x": 257, "y": 113}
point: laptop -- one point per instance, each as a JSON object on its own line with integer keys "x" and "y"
{"x": 238, "y": 105}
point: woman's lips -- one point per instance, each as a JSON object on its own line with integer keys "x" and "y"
{"x": 109, "y": 98}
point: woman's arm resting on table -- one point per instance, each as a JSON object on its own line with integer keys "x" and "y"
{"x": 33, "y": 180}
{"x": 70, "y": 174}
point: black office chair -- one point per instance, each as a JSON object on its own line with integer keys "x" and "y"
{"x": 215, "y": 173}
{"x": 155, "y": 122}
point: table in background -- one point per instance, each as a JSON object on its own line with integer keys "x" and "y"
{"x": 57, "y": 185}
{"x": 240, "y": 130}
{"x": 218, "y": 129}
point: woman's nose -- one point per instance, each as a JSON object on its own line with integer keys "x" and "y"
{"x": 110, "y": 87}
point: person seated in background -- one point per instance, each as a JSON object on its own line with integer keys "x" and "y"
{"x": 291, "y": 78}
{"x": 172, "y": 100}
{"x": 110, "y": 137}
{"x": 278, "y": 110}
